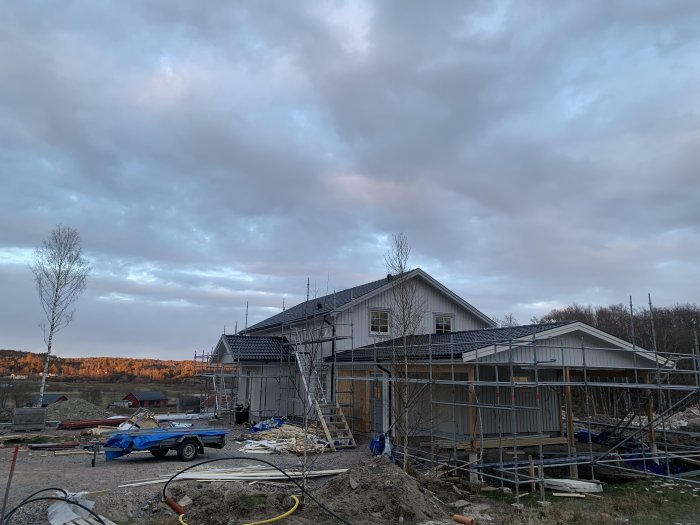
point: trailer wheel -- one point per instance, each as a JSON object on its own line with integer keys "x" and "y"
{"x": 187, "y": 450}
{"x": 159, "y": 452}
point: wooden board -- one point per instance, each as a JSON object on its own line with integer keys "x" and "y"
{"x": 359, "y": 400}
{"x": 521, "y": 441}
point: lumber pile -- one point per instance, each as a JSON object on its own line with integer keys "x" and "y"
{"x": 90, "y": 423}
{"x": 250, "y": 474}
{"x": 286, "y": 439}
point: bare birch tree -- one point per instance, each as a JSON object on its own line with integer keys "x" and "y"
{"x": 405, "y": 321}
{"x": 60, "y": 274}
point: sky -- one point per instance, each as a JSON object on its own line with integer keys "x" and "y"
{"x": 218, "y": 154}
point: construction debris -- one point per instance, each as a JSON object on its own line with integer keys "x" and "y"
{"x": 78, "y": 424}
{"x": 253, "y": 473}
{"x": 572, "y": 485}
{"x": 63, "y": 513}
{"x": 286, "y": 438}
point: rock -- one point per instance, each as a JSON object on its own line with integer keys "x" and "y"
{"x": 460, "y": 503}
{"x": 354, "y": 484}
{"x": 505, "y": 490}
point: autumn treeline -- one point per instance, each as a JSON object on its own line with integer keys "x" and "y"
{"x": 110, "y": 369}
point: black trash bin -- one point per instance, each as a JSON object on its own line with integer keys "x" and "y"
{"x": 242, "y": 414}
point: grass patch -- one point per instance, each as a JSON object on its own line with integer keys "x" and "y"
{"x": 647, "y": 502}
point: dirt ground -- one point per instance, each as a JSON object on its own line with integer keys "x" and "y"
{"x": 372, "y": 491}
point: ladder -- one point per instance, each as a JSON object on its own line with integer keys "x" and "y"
{"x": 309, "y": 378}
{"x": 335, "y": 426}
{"x": 329, "y": 415}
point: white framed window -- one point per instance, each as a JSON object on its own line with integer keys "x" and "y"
{"x": 444, "y": 324}
{"x": 379, "y": 322}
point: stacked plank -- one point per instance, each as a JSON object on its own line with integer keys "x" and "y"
{"x": 253, "y": 473}
{"x": 287, "y": 438}
{"x": 91, "y": 423}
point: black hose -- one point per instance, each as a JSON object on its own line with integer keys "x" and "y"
{"x": 303, "y": 490}
{"x": 53, "y": 498}
{"x": 44, "y": 490}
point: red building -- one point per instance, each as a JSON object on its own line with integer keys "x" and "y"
{"x": 146, "y": 399}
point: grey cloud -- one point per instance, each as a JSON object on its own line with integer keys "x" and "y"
{"x": 534, "y": 153}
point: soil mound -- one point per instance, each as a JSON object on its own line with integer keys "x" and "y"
{"x": 381, "y": 491}
{"x": 373, "y": 492}
{"x": 75, "y": 409}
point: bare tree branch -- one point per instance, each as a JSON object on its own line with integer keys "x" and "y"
{"x": 405, "y": 321}
{"x": 60, "y": 274}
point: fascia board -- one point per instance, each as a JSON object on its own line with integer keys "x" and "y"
{"x": 431, "y": 282}
{"x": 223, "y": 343}
{"x": 624, "y": 345}
{"x": 562, "y": 330}
{"x": 456, "y": 298}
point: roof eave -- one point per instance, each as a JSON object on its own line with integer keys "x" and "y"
{"x": 495, "y": 348}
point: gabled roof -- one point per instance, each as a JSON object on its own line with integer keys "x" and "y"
{"x": 445, "y": 346}
{"x": 566, "y": 327}
{"x": 148, "y": 395}
{"x": 472, "y": 345}
{"x": 339, "y": 301}
{"x": 49, "y": 399}
{"x": 258, "y": 349}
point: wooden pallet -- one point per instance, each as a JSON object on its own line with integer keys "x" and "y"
{"x": 335, "y": 426}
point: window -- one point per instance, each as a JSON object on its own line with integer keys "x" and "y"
{"x": 379, "y": 322}
{"x": 443, "y": 324}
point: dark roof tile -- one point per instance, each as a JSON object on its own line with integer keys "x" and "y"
{"x": 317, "y": 307}
{"x": 443, "y": 346}
{"x": 253, "y": 348}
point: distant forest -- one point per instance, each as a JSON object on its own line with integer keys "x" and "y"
{"x": 675, "y": 326}
{"x": 109, "y": 369}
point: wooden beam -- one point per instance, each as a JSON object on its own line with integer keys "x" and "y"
{"x": 471, "y": 399}
{"x": 573, "y": 468}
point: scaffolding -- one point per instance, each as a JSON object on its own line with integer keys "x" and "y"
{"x": 508, "y": 416}
{"x": 293, "y": 387}
{"x": 218, "y": 384}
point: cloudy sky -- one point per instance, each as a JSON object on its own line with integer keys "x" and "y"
{"x": 535, "y": 153}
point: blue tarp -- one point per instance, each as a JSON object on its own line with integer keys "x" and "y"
{"x": 273, "y": 422}
{"x": 130, "y": 441}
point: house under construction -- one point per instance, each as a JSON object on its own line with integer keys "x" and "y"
{"x": 500, "y": 403}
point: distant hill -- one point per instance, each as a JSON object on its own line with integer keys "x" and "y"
{"x": 95, "y": 368}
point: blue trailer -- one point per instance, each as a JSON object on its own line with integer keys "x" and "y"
{"x": 186, "y": 442}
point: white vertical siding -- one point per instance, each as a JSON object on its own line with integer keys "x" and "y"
{"x": 432, "y": 302}
{"x": 271, "y": 391}
{"x": 571, "y": 350}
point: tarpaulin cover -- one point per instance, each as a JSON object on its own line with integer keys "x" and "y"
{"x": 273, "y": 422}
{"x": 131, "y": 441}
